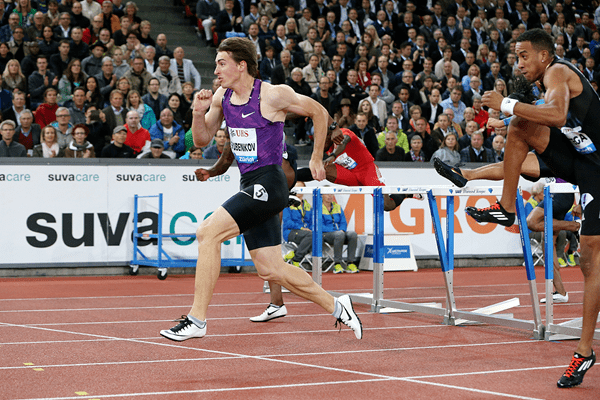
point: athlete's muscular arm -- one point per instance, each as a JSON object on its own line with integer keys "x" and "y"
{"x": 558, "y": 80}
{"x": 338, "y": 150}
{"x": 220, "y": 167}
{"x": 283, "y": 98}
{"x": 205, "y": 124}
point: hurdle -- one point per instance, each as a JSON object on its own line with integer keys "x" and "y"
{"x": 451, "y": 314}
{"x": 569, "y": 329}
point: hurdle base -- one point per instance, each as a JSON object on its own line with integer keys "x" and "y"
{"x": 491, "y": 309}
{"x": 568, "y": 330}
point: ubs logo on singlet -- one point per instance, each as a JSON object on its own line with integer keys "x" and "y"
{"x": 240, "y": 133}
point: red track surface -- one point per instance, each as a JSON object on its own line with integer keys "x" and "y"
{"x": 97, "y": 338}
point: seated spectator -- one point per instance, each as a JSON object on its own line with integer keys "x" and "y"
{"x": 28, "y": 64}
{"x": 131, "y": 10}
{"x": 77, "y": 17}
{"x": 5, "y": 97}
{"x": 13, "y": 78}
{"x": 77, "y": 107}
{"x": 72, "y": 78}
{"x": 471, "y": 127}
{"x": 161, "y": 46}
{"x": 391, "y": 151}
{"x": 366, "y": 133}
{"x": 174, "y": 104}
{"x": 168, "y": 83}
{"x": 455, "y": 103}
{"x": 48, "y": 148}
{"x": 415, "y": 113}
{"x": 107, "y": 80}
{"x": 99, "y": 134}
{"x": 156, "y": 150}
{"x": 135, "y": 102}
{"x": 63, "y": 126}
{"x": 149, "y": 60}
{"x": 335, "y": 232}
{"x": 416, "y": 149}
{"x": 345, "y": 117}
{"x": 59, "y": 62}
{"x": 27, "y": 133}
{"x": 378, "y": 106}
{"x": 206, "y": 12}
{"x": 47, "y": 44}
{"x": 481, "y": 116}
{"x": 119, "y": 65}
{"x": 46, "y": 112}
{"x": 476, "y": 152}
{"x": 138, "y": 137}
{"x": 452, "y": 126}
{"x": 107, "y": 41}
{"x": 215, "y": 151}
{"x": 372, "y": 120}
{"x": 17, "y": 45}
{"x": 118, "y": 148}
{"x": 153, "y": 98}
{"x": 449, "y": 152}
{"x": 115, "y": 113}
{"x": 297, "y": 228}
{"x": 194, "y": 153}
{"x": 138, "y": 76}
{"x": 9, "y": 147}
{"x": 5, "y": 56}
{"x": 170, "y": 132}
{"x": 268, "y": 64}
{"x": 498, "y": 148}
{"x": 391, "y": 125}
{"x": 93, "y": 96}
{"x": 283, "y": 70}
{"x": 92, "y": 64}
{"x": 312, "y": 72}
{"x": 184, "y": 68}
{"x": 13, "y": 113}
{"x": 40, "y": 80}
{"x": 187, "y": 98}
{"x": 120, "y": 36}
{"x": 79, "y": 49}
{"x": 124, "y": 86}
{"x": 110, "y": 19}
{"x": 468, "y": 116}
{"x": 79, "y": 147}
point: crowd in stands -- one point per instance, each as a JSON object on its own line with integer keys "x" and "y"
{"x": 405, "y": 76}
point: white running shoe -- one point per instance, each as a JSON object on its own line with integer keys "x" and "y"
{"x": 558, "y": 298}
{"x": 186, "y": 329}
{"x": 349, "y": 317}
{"x": 270, "y": 313}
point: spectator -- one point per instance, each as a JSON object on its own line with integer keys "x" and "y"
{"x": 195, "y": 153}
{"x": 378, "y": 106}
{"x": 59, "y": 63}
{"x": 48, "y": 46}
{"x": 17, "y": 44}
{"x": 476, "y": 152}
{"x": 336, "y": 234}
{"x": 77, "y": 17}
{"x": 161, "y": 46}
{"x": 153, "y": 98}
{"x": 297, "y": 228}
{"x": 188, "y": 97}
{"x": 345, "y": 117}
{"x": 72, "y": 78}
{"x": 498, "y": 148}
{"x": 106, "y": 80}
{"x": 156, "y": 150}
{"x": 133, "y": 47}
{"x": 372, "y": 121}
{"x": 481, "y": 116}
{"x": 79, "y": 147}
{"x": 53, "y": 15}
{"x": 46, "y": 112}
{"x": 135, "y": 102}
{"x": 455, "y": 104}
{"x": 28, "y": 64}
{"x": 449, "y": 151}
{"x": 40, "y": 80}
{"x": 138, "y": 137}
{"x": 391, "y": 125}
{"x": 48, "y": 148}
{"x": 6, "y": 32}
{"x": 93, "y": 95}
{"x": 283, "y": 70}
{"x": 170, "y": 133}
{"x": 118, "y": 8}
{"x": 207, "y": 11}
{"x": 174, "y": 104}
{"x": 352, "y": 90}
{"x": 453, "y": 126}
{"x": 391, "y": 151}
{"x": 149, "y": 59}
{"x": 92, "y": 65}
{"x": 184, "y": 68}
{"x": 312, "y": 73}
{"x": 120, "y": 67}
{"x": 131, "y": 10}
{"x": 9, "y": 147}
{"x": 267, "y": 64}
{"x": 91, "y": 34}
{"x": 28, "y": 133}
{"x": 18, "y": 105}
{"x": 90, "y": 8}
{"x": 79, "y": 49}
{"x": 5, "y": 97}
{"x": 115, "y": 113}
{"x": 366, "y": 133}
{"x": 120, "y": 36}
{"x": 138, "y": 76}
{"x": 215, "y": 151}
{"x": 118, "y": 148}
{"x": 12, "y": 78}
{"x": 168, "y": 83}
{"x": 110, "y": 20}
{"x": 63, "y": 126}
{"x": 77, "y": 108}
{"x": 416, "y": 149}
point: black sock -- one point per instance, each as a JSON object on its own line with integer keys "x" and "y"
{"x": 304, "y": 175}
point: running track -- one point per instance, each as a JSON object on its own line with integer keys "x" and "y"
{"x": 97, "y": 338}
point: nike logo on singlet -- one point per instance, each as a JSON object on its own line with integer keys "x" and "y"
{"x": 247, "y": 115}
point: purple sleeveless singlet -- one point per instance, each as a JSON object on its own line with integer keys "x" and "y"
{"x": 255, "y": 141}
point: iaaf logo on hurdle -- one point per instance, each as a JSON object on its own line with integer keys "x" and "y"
{"x": 348, "y": 190}
{"x": 472, "y": 191}
{"x": 399, "y": 251}
{"x": 416, "y": 189}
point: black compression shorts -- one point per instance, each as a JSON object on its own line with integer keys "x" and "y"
{"x": 255, "y": 208}
{"x": 561, "y": 204}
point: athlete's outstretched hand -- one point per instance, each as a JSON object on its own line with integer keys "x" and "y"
{"x": 202, "y": 174}
{"x": 202, "y": 102}
{"x": 495, "y": 123}
{"x": 317, "y": 169}
{"x": 492, "y": 99}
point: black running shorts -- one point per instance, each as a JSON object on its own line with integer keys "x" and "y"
{"x": 255, "y": 208}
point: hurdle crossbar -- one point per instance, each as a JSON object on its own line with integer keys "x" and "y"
{"x": 572, "y": 328}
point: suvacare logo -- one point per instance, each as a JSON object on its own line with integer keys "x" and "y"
{"x": 192, "y": 178}
{"x": 14, "y": 177}
{"x": 73, "y": 177}
{"x": 141, "y": 178}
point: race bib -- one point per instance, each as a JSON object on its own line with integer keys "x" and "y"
{"x": 243, "y": 145}
{"x": 345, "y": 161}
{"x": 582, "y": 143}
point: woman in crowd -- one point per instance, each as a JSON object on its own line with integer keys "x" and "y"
{"x": 13, "y": 78}
{"x": 373, "y": 121}
{"x": 25, "y": 12}
{"x": 131, "y": 10}
{"x": 135, "y": 102}
{"x": 46, "y": 112}
{"x": 79, "y": 146}
{"x": 466, "y": 80}
{"x": 48, "y": 148}
{"x": 560, "y": 25}
{"x": 345, "y": 116}
{"x": 364, "y": 77}
{"x": 174, "y": 104}
{"x": 291, "y": 30}
{"x": 375, "y": 44}
{"x": 500, "y": 87}
{"x": 416, "y": 150}
{"x": 99, "y": 134}
{"x": 5, "y": 56}
{"x": 425, "y": 91}
{"x": 449, "y": 150}
{"x": 468, "y": 116}
{"x": 415, "y": 113}
{"x": 93, "y": 95}
{"x": 483, "y": 52}
{"x": 312, "y": 73}
{"x": 124, "y": 85}
{"x": 48, "y": 45}
{"x": 74, "y": 77}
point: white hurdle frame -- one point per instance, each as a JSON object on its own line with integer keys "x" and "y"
{"x": 451, "y": 314}
{"x": 569, "y": 329}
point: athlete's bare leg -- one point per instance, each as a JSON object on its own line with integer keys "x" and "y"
{"x": 219, "y": 227}
{"x": 590, "y": 266}
{"x": 495, "y": 171}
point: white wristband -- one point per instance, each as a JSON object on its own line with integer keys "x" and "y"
{"x": 508, "y": 106}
